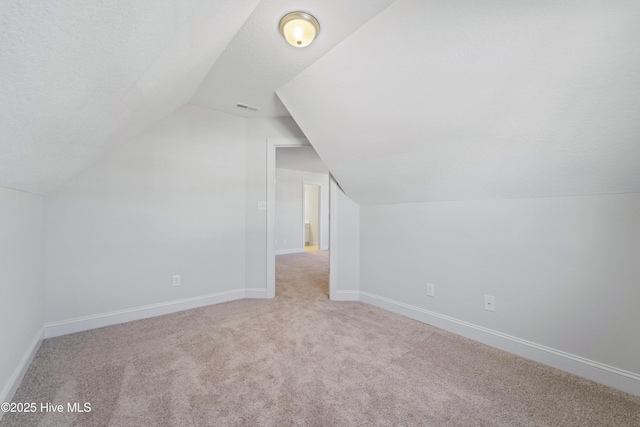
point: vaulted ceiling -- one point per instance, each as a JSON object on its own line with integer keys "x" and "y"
{"x": 258, "y": 61}
{"x": 466, "y": 99}
{"x": 79, "y": 78}
{"x": 404, "y": 100}
{"x": 300, "y": 159}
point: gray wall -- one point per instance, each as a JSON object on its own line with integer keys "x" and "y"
{"x": 21, "y": 283}
{"x": 169, "y": 202}
{"x": 345, "y": 246}
{"x": 181, "y": 198}
{"x": 290, "y": 205}
{"x": 564, "y": 271}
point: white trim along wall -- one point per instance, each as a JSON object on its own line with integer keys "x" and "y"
{"x": 620, "y": 379}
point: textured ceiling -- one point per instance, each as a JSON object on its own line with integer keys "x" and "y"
{"x": 405, "y": 101}
{"x": 78, "y": 78}
{"x": 300, "y": 158}
{"x": 459, "y": 100}
{"x": 258, "y": 60}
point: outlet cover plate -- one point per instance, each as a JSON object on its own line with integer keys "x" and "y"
{"x": 489, "y": 303}
{"x": 431, "y": 290}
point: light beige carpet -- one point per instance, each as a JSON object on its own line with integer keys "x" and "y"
{"x": 301, "y": 359}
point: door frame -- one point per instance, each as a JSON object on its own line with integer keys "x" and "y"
{"x": 272, "y": 145}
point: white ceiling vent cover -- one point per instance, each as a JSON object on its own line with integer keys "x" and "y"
{"x": 247, "y": 107}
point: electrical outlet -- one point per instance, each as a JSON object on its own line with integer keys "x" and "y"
{"x": 176, "y": 280}
{"x": 262, "y": 206}
{"x": 489, "y": 303}
{"x": 284, "y": 242}
{"x": 431, "y": 291}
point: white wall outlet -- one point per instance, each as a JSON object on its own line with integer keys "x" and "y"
{"x": 489, "y": 303}
{"x": 176, "y": 280}
{"x": 431, "y": 290}
{"x": 284, "y": 242}
{"x": 262, "y": 205}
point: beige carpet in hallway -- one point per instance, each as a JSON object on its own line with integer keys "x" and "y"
{"x": 300, "y": 359}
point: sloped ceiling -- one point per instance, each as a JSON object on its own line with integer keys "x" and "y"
{"x": 78, "y": 78}
{"x": 258, "y": 60}
{"x": 466, "y": 99}
{"x": 300, "y": 159}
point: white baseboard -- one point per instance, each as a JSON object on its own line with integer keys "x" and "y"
{"x": 619, "y": 379}
{"x": 16, "y": 378}
{"x": 54, "y": 329}
{"x": 346, "y": 296}
{"x": 289, "y": 251}
{"x": 255, "y": 293}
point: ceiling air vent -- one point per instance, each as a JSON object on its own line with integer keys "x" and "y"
{"x": 247, "y": 107}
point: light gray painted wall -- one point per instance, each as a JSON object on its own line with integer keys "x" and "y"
{"x": 289, "y": 204}
{"x": 169, "y": 202}
{"x": 258, "y": 130}
{"x": 564, "y": 271}
{"x": 345, "y": 246}
{"x": 289, "y": 208}
{"x": 21, "y": 282}
{"x": 312, "y": 212}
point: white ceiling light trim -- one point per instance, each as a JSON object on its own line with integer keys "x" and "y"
{"x": 299, "y": 28}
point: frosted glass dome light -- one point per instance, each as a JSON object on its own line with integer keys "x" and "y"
{"x": 299, "y": 28}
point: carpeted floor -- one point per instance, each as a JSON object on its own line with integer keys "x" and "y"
{"x": 300, "y": 359}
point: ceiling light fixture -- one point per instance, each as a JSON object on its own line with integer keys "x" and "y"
{"x": 299, "y": 28}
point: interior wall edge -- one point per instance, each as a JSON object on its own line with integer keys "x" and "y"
{"x": 12, "y": 385}
{"x": 346, "y": 295}
{"x": 613, "y": 377}
{"x": 255, "y": 293}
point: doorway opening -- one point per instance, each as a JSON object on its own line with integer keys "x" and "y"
{"x": 286, "y": 213}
